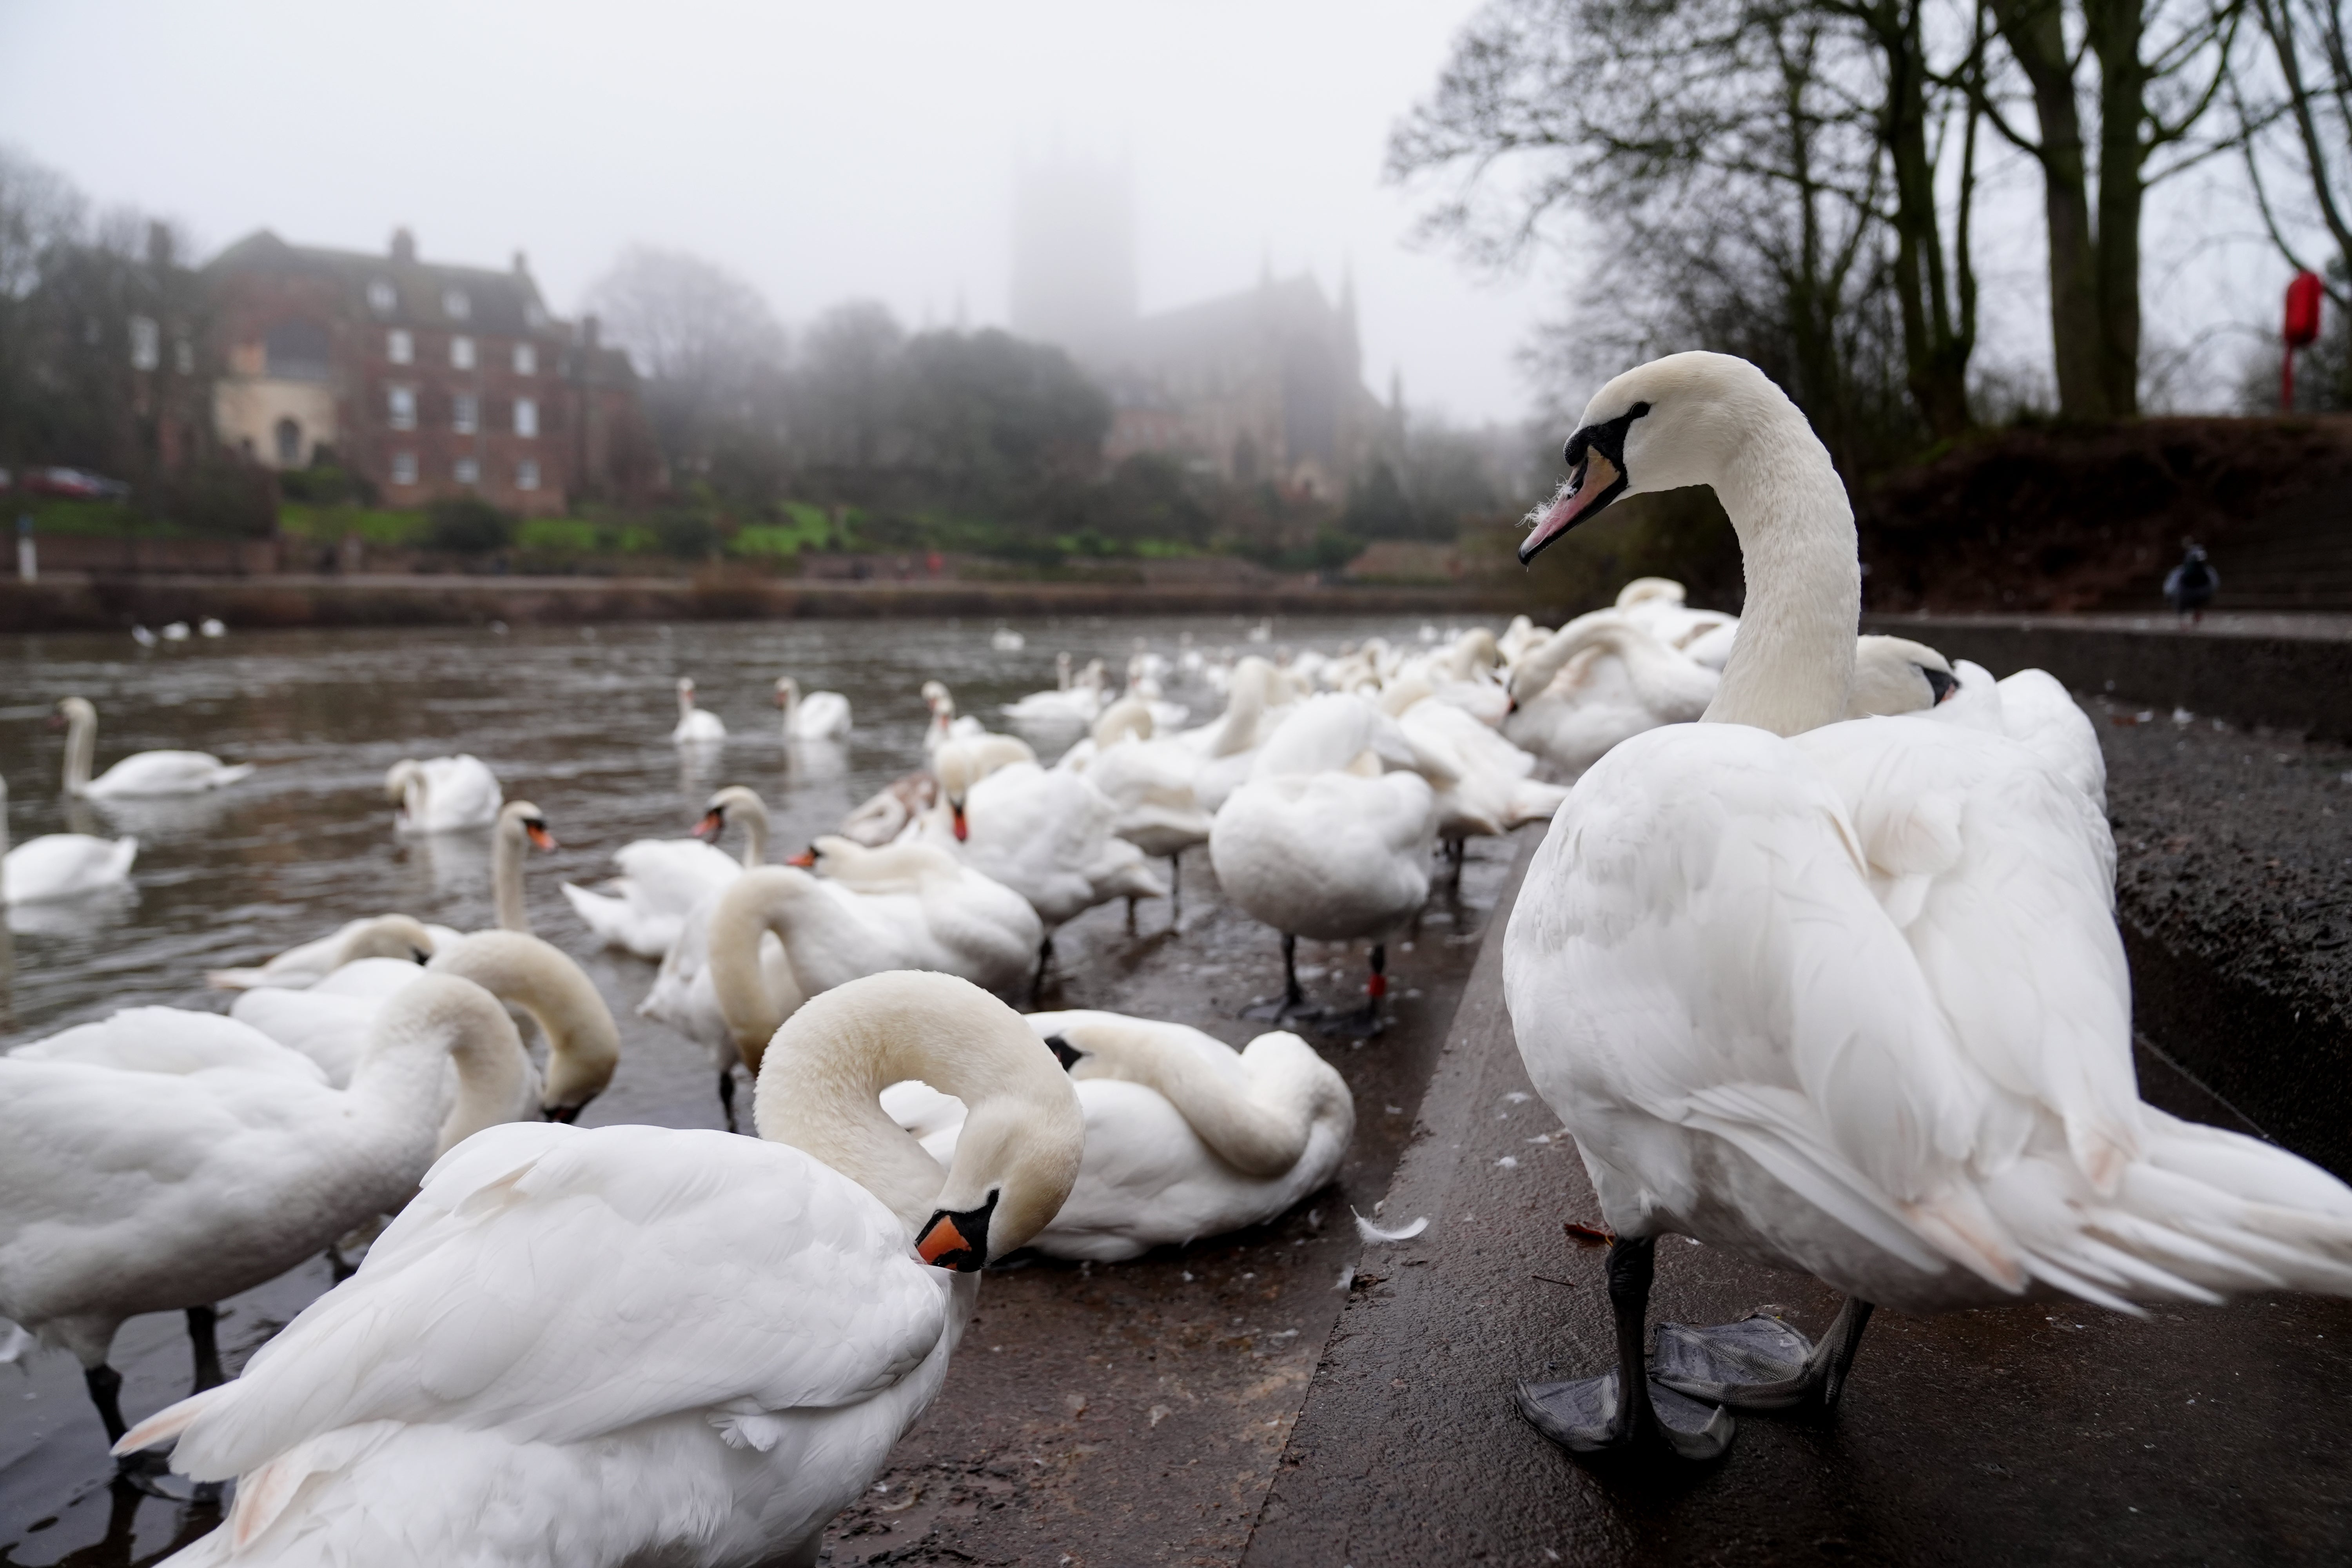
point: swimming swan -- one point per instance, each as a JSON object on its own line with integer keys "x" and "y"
{"x": 696, "y": 726}
{"x": 60, "y": 864}
{"x": 443, "y": 794}
{"x": 639, "y": 1344}
{"x": 385, "y": 936}
{"x": 819, "y": 715}
{"x": 1846, "y": 998}
{"x": 142, "y": 774}
{"x": 644, "y": 910}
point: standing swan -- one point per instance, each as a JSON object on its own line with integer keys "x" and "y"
{"x": 819, "y": 715}
{"x": 215, "y": 1162}
{"x": 141, "y": 774}
{"x": 1846, "y": 998}
{"x": 60, "y": 864}
{"x": 639, "y": 1344}
{"x": 696, "y": 726}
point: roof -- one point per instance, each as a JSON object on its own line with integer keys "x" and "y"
{"x": 506, "y": 302}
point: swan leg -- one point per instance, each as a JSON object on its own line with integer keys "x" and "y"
{"x": 205, "y": 1342}
{"x": 1130, "y": 917}
{"x": 1760, "y": 1362}
{"x": 727, "y": 1096}
{"x": 1292, "y": 1006}
{"x": 1592, "y": 1415}
{"x": 1364, "y": 1025}
{"x": 1175, "y": 888}
{"x": 1045, "y": 962}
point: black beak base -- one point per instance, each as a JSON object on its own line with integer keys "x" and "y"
{"x": 1064, "y": 1052}
{"x": 957, "y": 1239}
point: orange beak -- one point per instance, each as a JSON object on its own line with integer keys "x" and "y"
{"x": 541, "y": 838}
{"x": 961, "y": 832}
{"x": 805, "y": 860}
{"x": 712, "y": 824}
{"x": 941, "y": 1239}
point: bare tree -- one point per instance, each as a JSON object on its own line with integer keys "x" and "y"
{"x": 2310, "y": 101}
{"x": 711, "y": 352}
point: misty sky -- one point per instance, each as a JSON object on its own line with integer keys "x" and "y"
{"x": 821, "y": 151}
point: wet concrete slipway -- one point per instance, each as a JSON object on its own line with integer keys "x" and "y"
{"x": 1291, "y": 1395}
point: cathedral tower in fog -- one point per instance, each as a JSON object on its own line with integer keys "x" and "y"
{"x": 1074, "y": 258}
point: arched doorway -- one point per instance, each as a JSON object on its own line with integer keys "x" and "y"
{"x": 290, "y": 443}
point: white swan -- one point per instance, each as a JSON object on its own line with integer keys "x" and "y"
{"x": 1850, "y": 1002}
{"x": 1257, "y": 699}
{"x": 1150, "y": 783}
{"x": 60, "y": 864}
{"x": 331, "y": 1022}
{"x": 696, "y": 726}
{"x": 1076, "y": 702}
{"x": 521, "y": 828}
{"x": 142, "y": 774}
{"x": 819, "y": 715}
{"x": 908, "y": 906}
{"x": 1045, "y": 834}
{"x": 639, "y": 1344}
{"x": 384, "y": 936}
{"x": 644, "y": 909}
{"x": 443, "y": 794}
{"x": 1595, "y": 681}
{"x": 205, "y": 1165}
{"x": 891, "y": 809}
{"x": 1492, "y": 789}
{"x": 1186, "y": 1136}
{"x": 1315, "y": 849}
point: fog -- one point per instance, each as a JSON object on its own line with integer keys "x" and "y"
{"x": 823, "y": 152}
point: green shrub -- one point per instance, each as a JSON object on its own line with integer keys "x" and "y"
{"x": 685, "y": 535}
{"x": 467, "y": 525}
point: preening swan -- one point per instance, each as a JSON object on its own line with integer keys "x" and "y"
{"x": 696, "y": 726}
{"x": 60, "y": 864}
{"x": 662, "y": 880}
{"x": 443, "y": 794}
{"x": 637, "y": 1344}
{"x": 1596, "y": 680}
{"x": 213, "y": 1160}
{"x": 1186, "y": 1136}
{"x": 331, "y": 1022}
{"x": 1845, "y": 997}
{"x": 890, "y": 809}
{"x": 142, "y": 774}
{"x": 819, "y": 715}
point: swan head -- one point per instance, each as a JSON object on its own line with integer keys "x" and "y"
{"x": 520, "y": 818}
{"x": 1895, "y": 675}
{"x": 75, "y": 711}
{"x": 1644, "y": 590}
{"x": 387, "y": 936}
{"x": 739, "y": 798}
{"x": 788, "y": 691}
{"x": 399, "y": 776}
{"x": 937, "y": 698}
{"x": 1674, "y": 422}
{"x": 685, "y": 691}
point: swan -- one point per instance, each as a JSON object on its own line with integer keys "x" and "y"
{"x": 443, "y": 794}
{"x": 889, "y": 811}
{"x": 213, "y": 1160}
{"x": 907, "y": 906}
{"x": 583, "y": 1349}
{"x": 644, "y": 909}
{"x": 1595, "y": 681}
{"x": 696, "y": 726}
{"x": 1315, "y": 849}
{"x": 60, "y": 864}
{"x": 1656, "y": 606}
{"x": 1150, "y": 783}
{"x": 1045, "y": 834}
{"x": 945, "y": 724}
{"x": 1492, "y": 790}
{"x": 330, "y": 1023}
{"x": 1847, "y": 998}
{"x": 141, "y": 774}
{"x": 1186, "y": 1136}
{"x": 385, "y": 936}
{"x": 819, "y": 715}
{"x": 1004, "y": 639}
{"x": 1895, "y": 675}
{"x": 176, "y": 632}
{"x": 1075, "y": 703}
{"x": 1258, "y": 699}
{"x": 211, "y": 627}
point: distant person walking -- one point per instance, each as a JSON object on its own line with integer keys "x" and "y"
{"x": 2188, "y": 587}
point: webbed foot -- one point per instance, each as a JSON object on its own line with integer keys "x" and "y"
{"x": 1585, "y": 1416}
{"x": 1758, "y": 1362}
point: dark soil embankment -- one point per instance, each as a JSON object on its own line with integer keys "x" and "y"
{"x": 2058, "y": 518}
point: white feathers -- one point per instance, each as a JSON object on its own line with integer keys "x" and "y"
{"x": 1370, "y": 1232}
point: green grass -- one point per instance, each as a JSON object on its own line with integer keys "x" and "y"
{"x": 57, "y": 515}
{"x": 392, "y": 529}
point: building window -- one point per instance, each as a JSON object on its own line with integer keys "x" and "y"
{"x": 382, "y": 298}
{"x": 526, "y": 361}
{"x": 455, "y": 305}
{"x": 297, "y": 351}
{"x": 527, "y": 475}
{"x": 526, "y": 416}
{"x": 146, "y": 344}
{"x": 400, "y": 346}
{"x": 535, "y": 315}
{"x": 468, "y": 472}
{"x": 290, "y": 443}
{"x": 464, "y": 414}
{"x": 461, "y": 353}
{"x": 404, "y": 468}
{"x": 401, "y": 405}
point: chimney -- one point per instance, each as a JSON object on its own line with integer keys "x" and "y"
{"x": 403, "y": 246}
{"x": 159, "y": 246}
{"x": 588, "y": 325}
{"x": 522, "y": 265}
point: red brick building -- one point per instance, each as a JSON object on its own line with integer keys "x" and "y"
{"x": 426, "y": 379}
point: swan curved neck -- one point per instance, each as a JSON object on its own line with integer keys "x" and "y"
{"x": 1258, "y": 1137}
{"x": 1791, "y": 669}
{"x": 1243, "y": 710}
{"x": 755, "y": 831}
{"x": 399, "y": 1073}
{"x": 81, "y": 747}
{"x": 769, "y": 897}
{"x": 584, "y": 1045}
{"x": 506, "y": 850}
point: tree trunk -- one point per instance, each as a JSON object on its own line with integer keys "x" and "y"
{"x": 2115, "y": 31}
{"x": 2036, "y": 37}
{"x": 1936, "y": 355}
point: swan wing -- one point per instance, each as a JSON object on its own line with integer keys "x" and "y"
{"x": 174, "y": 1041}
{"x": 64, "y": 865}
{"x": 1985, "y": 858}
{"x": 1698, "y": 946}
{"x": 460, "y": 791}
{"x": 166, "y": 772}
{"x": 325, "y": 1028}
{"x": 558, "y": 1284}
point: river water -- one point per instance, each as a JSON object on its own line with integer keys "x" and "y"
{"x": 575, "y": 720}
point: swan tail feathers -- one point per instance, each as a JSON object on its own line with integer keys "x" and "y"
{"x": 1964, "y": 1230}
{"x": 235, "y": 979}
{"x": 166, "y": 1425}
{"x": 600, "y": 914}
{"x": 230, "y": 775}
